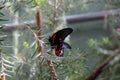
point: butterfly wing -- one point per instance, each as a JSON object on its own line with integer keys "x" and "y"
{"x": 57, "y": 41}
{"x": 64, "y": 33}
{"x": 66, "y": 45}
{"x": 61, "y": 34}
{"x": 59, "y": 51}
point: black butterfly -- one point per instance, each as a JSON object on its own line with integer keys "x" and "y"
{"x": 57, "y": 41}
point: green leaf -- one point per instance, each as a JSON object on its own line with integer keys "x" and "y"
{"x": 26, "y": 44}
{"x": 2, "y": 14}
{"x": 92, "y": 42}
{"x": 10, "y": 78}
{"x": 106, "y": 40}
{"x": 36, "y": 48}
{"x": 36, "y": 2}
{"x": 40, "y": 2}
{"x": 1, "y": 27}
{"x": 3, "y": 20}
{"x": 1, "y": 40}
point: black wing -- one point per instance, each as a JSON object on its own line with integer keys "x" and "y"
{"x": 59, "y": 35}
{"x": 64, "y": 33}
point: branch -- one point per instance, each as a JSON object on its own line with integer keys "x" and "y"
{"x": 98, "y": 70}
{"x": 52, "y": 69}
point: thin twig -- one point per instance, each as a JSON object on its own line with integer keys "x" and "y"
{"x": 2, "y": 74}
{"x": 39, "y": 25}
{"x": 52, "y": 69}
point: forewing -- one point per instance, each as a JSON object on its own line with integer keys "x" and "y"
{"x": 64, "y": 33}
{"x": 61, "y": 34}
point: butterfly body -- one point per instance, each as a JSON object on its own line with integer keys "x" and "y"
{"x": 57, "y": 41}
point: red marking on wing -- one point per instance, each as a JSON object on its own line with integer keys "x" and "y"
{"x": 58, "y": 48}
{"x": 60, "y": 40}
{"x": 53, "y": 37}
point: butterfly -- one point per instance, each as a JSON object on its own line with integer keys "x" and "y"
{"x": 57, "y": 41}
